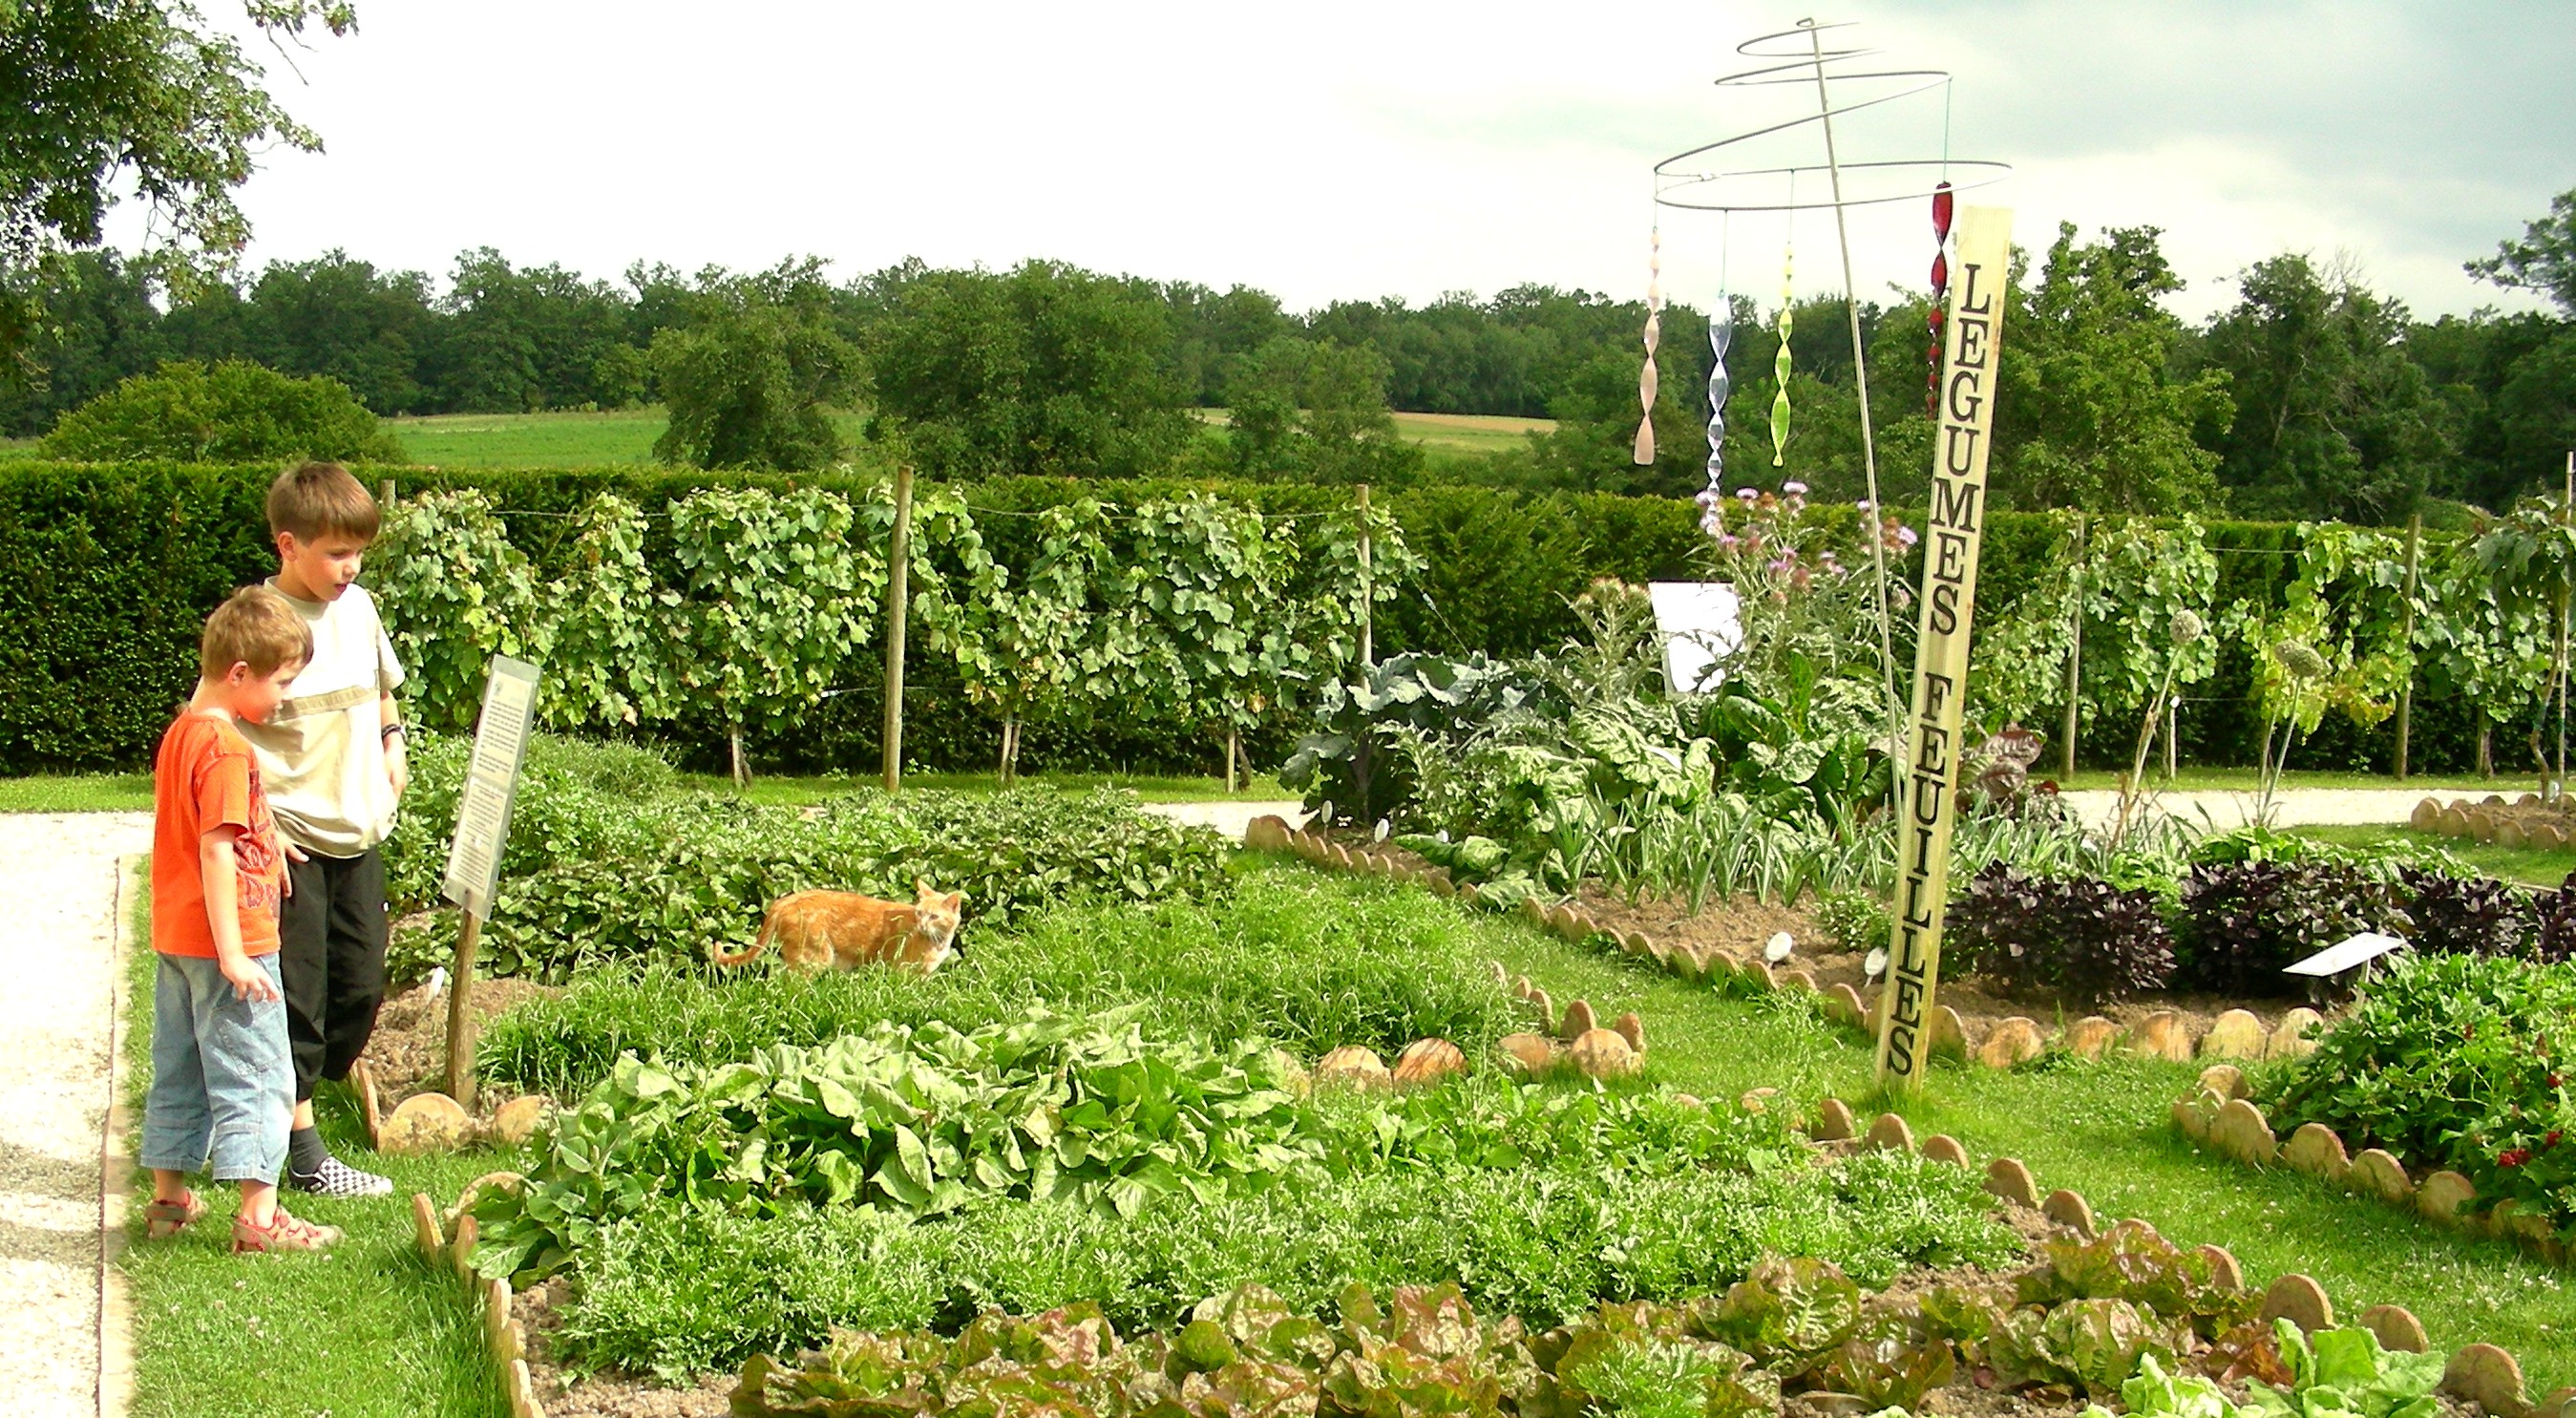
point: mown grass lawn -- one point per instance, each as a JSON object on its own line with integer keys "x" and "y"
{"x": 2197, "y": 779}
{"x": 2104, "y": 1130}
{"x": 2531, "y": 866}
{"x": 365, "y": 1331}
{"x": 132, "y": 792}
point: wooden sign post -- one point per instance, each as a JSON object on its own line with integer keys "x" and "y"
{"x": 474, "y": 856}
{"x": 898, "y": 609}
{"x": 1953, "y": 533}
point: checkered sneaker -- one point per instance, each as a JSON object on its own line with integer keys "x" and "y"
{"x": 338, "y": 1178}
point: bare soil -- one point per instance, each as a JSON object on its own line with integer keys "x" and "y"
{"x": 408, "y": 1051}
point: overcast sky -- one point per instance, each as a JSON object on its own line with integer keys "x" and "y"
{"x": 1333, "y": 149}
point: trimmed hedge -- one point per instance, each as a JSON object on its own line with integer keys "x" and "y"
{"x": 106, "y": 574}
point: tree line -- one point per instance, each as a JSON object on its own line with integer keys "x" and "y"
{"x": 2312, "y": 396}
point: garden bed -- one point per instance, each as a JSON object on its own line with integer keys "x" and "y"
{"x": 1742, "y": 928}
{"x": 2083, "y": 1316}
{"x": 408, "y": 1052}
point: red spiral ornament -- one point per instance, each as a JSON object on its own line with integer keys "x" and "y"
{"x": 1941, "y": 211}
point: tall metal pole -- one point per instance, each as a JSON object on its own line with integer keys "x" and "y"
{"x": 1868, "y": 440}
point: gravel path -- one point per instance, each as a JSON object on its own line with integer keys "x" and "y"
{"x": 2295, "y": 807}
{"x": 58, "y": 877}
{"x": 1228, "y": 818}
{"x": 2292, "y": 807}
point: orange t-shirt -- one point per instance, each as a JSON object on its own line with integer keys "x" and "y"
{"x": 205, "y": 778}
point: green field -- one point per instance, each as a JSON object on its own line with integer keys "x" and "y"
{"x": 625, "y": 436}
{"x": 619, "y": 437}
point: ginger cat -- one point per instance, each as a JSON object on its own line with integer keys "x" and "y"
{"x": 844, "y": 930}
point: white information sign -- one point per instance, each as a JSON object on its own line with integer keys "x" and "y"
{"x": 2345, "y": 954}
{"x": 492, "y": 779}
{"x": 1697, "y": 621}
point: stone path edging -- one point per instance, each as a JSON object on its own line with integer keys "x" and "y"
{"x": 2010, "y": 1042}
{"x": 2221, "y": 1115}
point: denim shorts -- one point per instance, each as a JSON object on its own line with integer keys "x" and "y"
{"x": 222, "y": 1082}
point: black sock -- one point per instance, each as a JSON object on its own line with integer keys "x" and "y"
{"x": 305, "y": 1151}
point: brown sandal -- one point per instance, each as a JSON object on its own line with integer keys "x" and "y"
{"x": 165, "y": 1219}
{"x": 282, "y": 1233}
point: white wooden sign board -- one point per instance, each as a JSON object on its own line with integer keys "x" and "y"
{"x": 2346, "y": 954}
{"x": 1697, "y": 621}
{"x": 491, "y": 780}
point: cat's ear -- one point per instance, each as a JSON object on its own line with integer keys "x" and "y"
{"x": 921, "y": 886}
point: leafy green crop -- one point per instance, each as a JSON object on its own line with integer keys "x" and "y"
{"x": 680, "y": 1289}
{"x": 1787, "y": 1327}
{"x": 920, "y": 1122}
{"x": 597, "y": 871}
{"x": 915, "y": 1121}
{"x": 2454, "y": 1061}
{"x": 1288, "y": 955}
{"x": 2334, "y": 1373}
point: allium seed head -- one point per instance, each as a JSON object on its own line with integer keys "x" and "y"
{"x": 2300, "y": 659}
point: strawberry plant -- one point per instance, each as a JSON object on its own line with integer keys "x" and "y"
{"x": 2454, "y": 1061}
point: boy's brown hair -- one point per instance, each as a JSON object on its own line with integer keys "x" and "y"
{"x": 255, "y": 628}
{"x": 321, "y": 500}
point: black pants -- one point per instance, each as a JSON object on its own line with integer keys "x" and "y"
{"x": 331, "y": 936}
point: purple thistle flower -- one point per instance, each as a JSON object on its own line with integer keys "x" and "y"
{"x": 1905, "y": 537}
{"x": 1746, "y": 494}
{"x": 1794, "y": 488}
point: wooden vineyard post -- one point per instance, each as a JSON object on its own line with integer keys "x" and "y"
{"x": 2406, "y": 693}
{"x": 898, "y": 607}
{"x": 2074, "y": 667}
{"x": 1368, "y": 591}
{"x": 474, "y": 855}
{"x": 460, "y": 1012}
{"x": 1953, "y": 533}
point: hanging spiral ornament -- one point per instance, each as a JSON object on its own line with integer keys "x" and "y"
{"x": 1780, "y": 368}
{"x": 1646, "y": 378}
{"x": 1712, "y": 499}
{"x": 1941, "y": 200}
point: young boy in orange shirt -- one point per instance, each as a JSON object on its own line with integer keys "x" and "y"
{"x": 221, "y": 1080}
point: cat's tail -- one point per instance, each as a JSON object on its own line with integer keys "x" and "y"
{"x": 767, "y": 923}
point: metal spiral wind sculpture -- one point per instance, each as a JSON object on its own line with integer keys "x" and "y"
{"x": 1728, "y": 176}
{"x": 1712, "y": 499}
{"x": 1646, "y": 378}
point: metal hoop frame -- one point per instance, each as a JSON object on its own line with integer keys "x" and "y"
{"x": 1807, "y": 66}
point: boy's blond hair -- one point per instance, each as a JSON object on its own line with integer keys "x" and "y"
{"x": 255, "y": 628}
{"x": 321, "y": 500}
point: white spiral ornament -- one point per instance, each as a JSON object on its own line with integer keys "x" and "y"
{"x": 1646, "y": 378}
{"x": 1712, "y": 499}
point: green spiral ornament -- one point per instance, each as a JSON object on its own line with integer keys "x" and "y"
{"x": 1780, "y": 372}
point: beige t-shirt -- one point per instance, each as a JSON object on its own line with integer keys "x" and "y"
{"x": 323, "y": 753}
